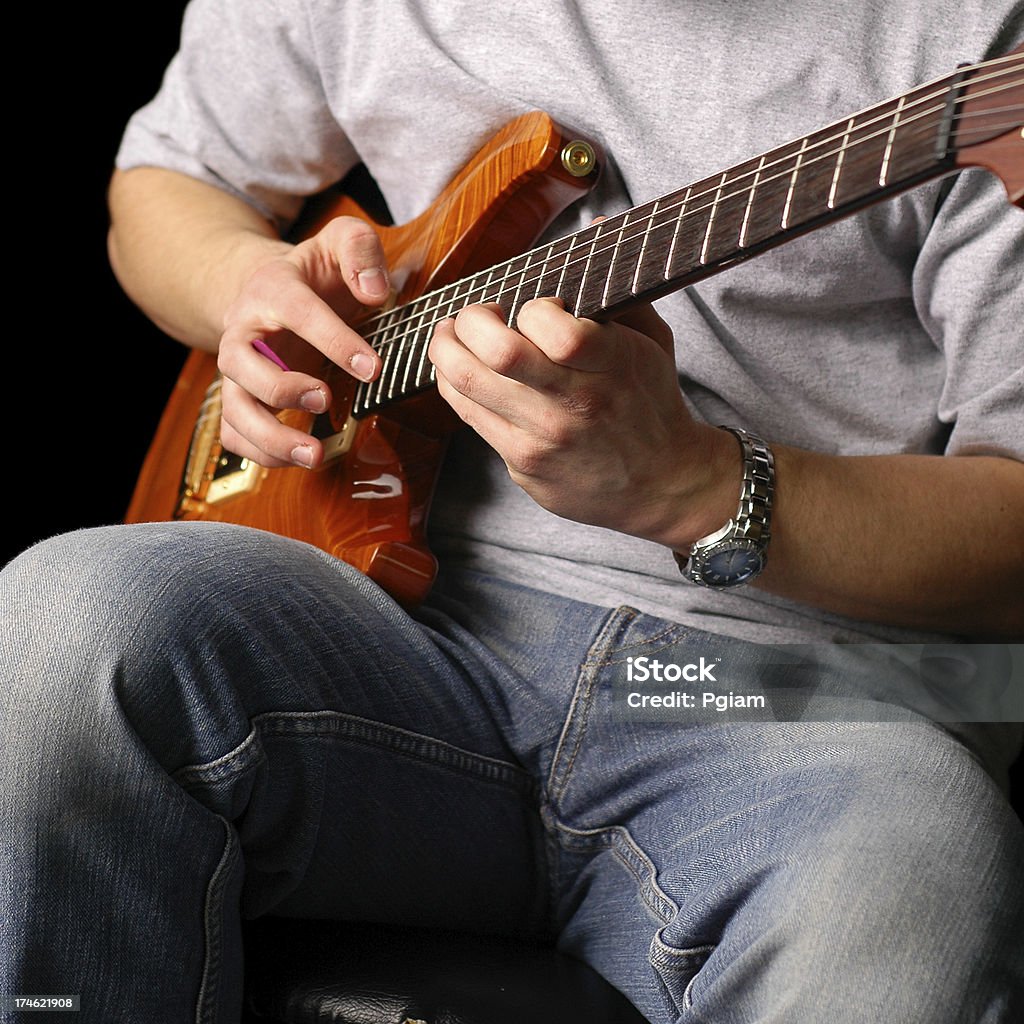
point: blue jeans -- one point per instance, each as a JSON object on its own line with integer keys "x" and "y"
{"x": 203, "y": 723}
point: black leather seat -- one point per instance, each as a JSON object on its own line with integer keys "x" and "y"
{"x": 312, "y": 972}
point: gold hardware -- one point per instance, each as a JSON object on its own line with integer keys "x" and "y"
{"x": 579, "y": 158}
{"x": 339, "y": 443}
{"x": 211, "y": 474}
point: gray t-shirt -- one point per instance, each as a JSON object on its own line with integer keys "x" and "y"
{"x": 898, "y": 330}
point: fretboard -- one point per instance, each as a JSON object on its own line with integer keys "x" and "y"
{"x": 680, "y": 238}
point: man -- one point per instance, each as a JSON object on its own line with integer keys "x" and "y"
{"x": 241, "y": 725}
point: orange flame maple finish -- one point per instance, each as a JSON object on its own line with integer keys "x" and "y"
{"x": 369, "y": 505}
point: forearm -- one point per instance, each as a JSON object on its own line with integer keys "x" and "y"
{"x": 925, "y": 542}
{"x": 181, "y": 249}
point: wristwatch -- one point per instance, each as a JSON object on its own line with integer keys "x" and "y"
{"x": 737, "y": 552}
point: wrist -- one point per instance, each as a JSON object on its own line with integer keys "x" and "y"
{"x": 701, "y": 494}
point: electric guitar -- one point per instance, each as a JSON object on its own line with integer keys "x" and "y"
{"x": 385, "y": 440}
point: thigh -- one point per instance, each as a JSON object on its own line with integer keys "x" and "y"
{"x": 202, "y": 718}
{"x": 745, "y": 870}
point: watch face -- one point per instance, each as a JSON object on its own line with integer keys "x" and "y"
{"x": 730, "y": 566}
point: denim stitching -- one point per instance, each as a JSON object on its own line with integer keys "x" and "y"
{"x": 236, "y": 761}
{"x": 329, "y": 724}
{"x": 666, "y": 959}
{"x": 619, "y": 657}
{"x": 575, "y": 726}
{"x": 618, "y": 840}
{"x": 209, "y": 988}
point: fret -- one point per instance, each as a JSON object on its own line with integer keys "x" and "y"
{"x": 563, "y": 265}
{"x": 454, "y": 303}
{"x": 575, "y": 263}
{"x": 839, "y": 163}
{"x": 913, "y": 151}
{"x": 659, "y": 237}
{"x": 608, "y": 292}
{"x": 513, "y": 281}
{"x": 628, "y": 254}
{"x": 417, "y": 327}
{"x": 593, "y": 233}
{"x": 711, "y": 220}
{"x": 484, "y": 284}
{"x": 688, "y": 228}
{"x": 809, "y": 198}
{"x": 750, "y": 202}
{"x": 735, "y": 201}
{"x": 890, "y": 139}
{"x": 792, "y": 184}
{"x": 392, "y": 323}
{"x": 547, "y": 279}
{"x": 414, "y": 345}
{"x": 599, "y": 262}
{"x": 634, "y": 286}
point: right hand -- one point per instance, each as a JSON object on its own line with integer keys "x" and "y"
{"x": 298, "y": 304}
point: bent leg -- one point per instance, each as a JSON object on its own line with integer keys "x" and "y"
{"x": 785, "y": 871}
{"x": 198, "y": 718}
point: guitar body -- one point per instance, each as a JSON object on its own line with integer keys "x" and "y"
{"x": 368, "y": 503}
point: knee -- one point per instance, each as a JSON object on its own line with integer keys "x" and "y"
{"x": 89, "y": 594}
{"x": 912, "y": 889}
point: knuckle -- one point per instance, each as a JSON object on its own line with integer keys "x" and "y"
{"x": 356, "y": 241}
{"x": 583, "y": 404}
{"x": 464, "y": 381}
{"x": 527, "y": 457}
{"x": 505, "y": 357}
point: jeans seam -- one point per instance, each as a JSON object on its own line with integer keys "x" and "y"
{"x": 328, "y": 724}
{"x": 208, "y": 1000}
{"x": 575, "y": 726}
{"x": 618, "y": 840}
{"x": 619, "y": 657}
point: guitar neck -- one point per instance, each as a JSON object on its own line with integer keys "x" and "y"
{"x": 678, "y": 239}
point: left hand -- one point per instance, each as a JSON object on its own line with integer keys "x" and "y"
{"x": 589, "y": 418}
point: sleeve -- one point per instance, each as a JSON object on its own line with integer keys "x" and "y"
{"x": 242, "y": 106}
{"x": 969, "y": 291}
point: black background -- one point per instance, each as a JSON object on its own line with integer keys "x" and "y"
{"x": 86, "y": 375}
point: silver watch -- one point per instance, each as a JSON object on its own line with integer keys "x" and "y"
{"x": 737, "y": 552}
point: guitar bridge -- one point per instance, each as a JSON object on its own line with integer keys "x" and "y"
{"x": 213, "y": 475}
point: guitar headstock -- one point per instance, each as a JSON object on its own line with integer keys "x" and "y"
{"x": 988, "y": 123}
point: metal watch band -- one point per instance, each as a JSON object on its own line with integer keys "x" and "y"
{"x": 752, "y": 521}
{"x": 753, "y": 517}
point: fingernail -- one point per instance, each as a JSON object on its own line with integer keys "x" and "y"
{"x": 362, "y": 365}
{"x": 373, "y": 281}
{"x": 313, "y": 400}
{"x": 302, "y": 455}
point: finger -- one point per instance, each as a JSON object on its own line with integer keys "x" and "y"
{"x": 463, "y": 372}
{"x": 360, "y": 258}
{"x": 482, "y": 330}
{"x": 283, "y": 301}
{"x": 253, "y": 431}
{"x": 268, "y": 383}
{"x": 576, "y": 344}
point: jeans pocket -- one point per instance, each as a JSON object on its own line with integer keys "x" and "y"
{"x": 676, "y": 967}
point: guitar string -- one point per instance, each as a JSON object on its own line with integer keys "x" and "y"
{"x": 379, "y": 343}
{"x": 374, "y": 337}
{"x": 409, "y": 311}
{"x": 847, "y": 147}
